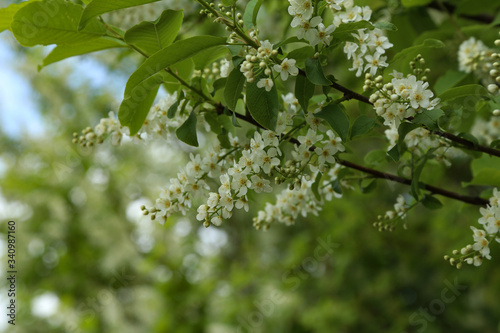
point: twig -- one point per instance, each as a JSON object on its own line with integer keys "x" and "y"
{"x": 379, "y": 174}
{"x": 349, "y": 94}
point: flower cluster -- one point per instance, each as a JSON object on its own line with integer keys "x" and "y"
{"x": 490, "y": 220}
{"x": 310, "y": 28}
{"x": 388, "y": 221}
{"x": 401, "y": 98}
{"x": 366, "y": 54}
{"x": 297, "y": 200}
{"x": 249, "y": 167}
{"x": 157, "y": 124}
{"x": 246, "y": 173}
{"x": 324, "y": 153}
{"x": 260, "y": 61}
{"x": 285, "y": 118}
{"x": 109, "y": 126}
{"x": 475, "y": 56}
{"x": 420, "y": 140}
{"x": 189, "y": 183}
{"x": 470, "y": 53}
{"x": 487, "y": 131}
{"x": 220, "y": 69}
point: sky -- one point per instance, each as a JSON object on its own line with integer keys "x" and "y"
{"x": 18, "y": 109}
{"x": 18, "y": 112}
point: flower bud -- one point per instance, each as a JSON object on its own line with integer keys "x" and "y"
{"x": 492, "y": 88}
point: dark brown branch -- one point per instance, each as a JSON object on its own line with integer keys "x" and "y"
{"x": 375, "y": 173}
{"x": 468, "y": 144}
{"x": 383, "y": 175}
{"x": 434, "y": 190}
{"x": 349, "y": 94}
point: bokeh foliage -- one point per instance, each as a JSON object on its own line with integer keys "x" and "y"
{"x": 84, "y": 240}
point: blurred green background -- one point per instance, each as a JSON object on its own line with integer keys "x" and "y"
{"x": 88, "y": 261}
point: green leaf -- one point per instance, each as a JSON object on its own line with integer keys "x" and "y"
{"x": 301, "y": 54}
{"x": 53, "y": 22}
{"x": 413, "y": 3}
{"x": 386, "y": 26}
{"x": 150, "y": 75}
{"x": 65, "y": 51}
{"x": 256, "y": 11}
{"x": 98, "y": 7}
{"x": 224, "y": 139}
{"x": 405, "y": 54}
{"x": 485, "y": 171}
{"x": 314, "y": 72}
{"x": 495, "y": 144}
{"x": 496, "y": 21}
{"x": 464, "y": 91}
{"x": 429, "y": 118}
{"x": 472, "y": 7}
{"x": 169, "y": 56}
{"x": 213, "y": 120}
{"x": 7, "y": 14}
{"x": 250, "y": 14}
{"x": 375, "y": 157}
{"x": 352, "y": 27}
{"x": 335, "y": 115}
{"x": 263, "y": 105}
{"x": 315, "y": 186}
{"x": 234, "y": 86}
{"x": 431, "y": 202}
{"x": 135, "y": 108}
{"x": 488, "y": 176}
{"x": 150, "y": 37}
{"x": 450, "y": 79}
{"x": 394, "y": 153}
{"x": 367, "y": 185}
{"x": 172, "y": 110}
{"x": 290, "y": 40}
{"x": 416, "y": 173}
{"x": 363, "y": 124}
{"x": 228, "y": 3}
{"x": 304, "y": 90}
{"x": 184, "y": 70}
{"x": 206, "y": 57}
{"x": 469, "y": 137}
{"x": 235, "y": 120}
{"x": 187, "y": 132}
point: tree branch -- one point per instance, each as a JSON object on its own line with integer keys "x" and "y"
{"x": 468, "y": 144}
{"x": 434, "y": 190}
{"x": 349, "y": 94}
{"x": 379, "y": 174}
